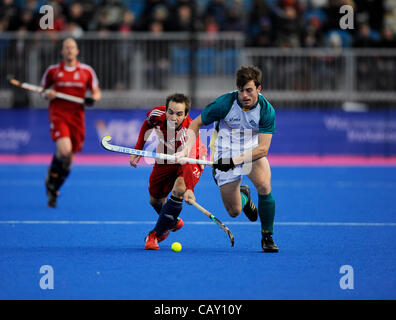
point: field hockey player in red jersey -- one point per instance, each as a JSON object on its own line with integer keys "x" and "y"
{"x": 67, "y": 119}
{"x": 170, "y": 122}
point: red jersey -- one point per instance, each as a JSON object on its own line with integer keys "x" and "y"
{"x": 156, "y": 120}
{"x": 67, "y": 119}
{"x": 164, "y": 175}
{"x": 74, "y": 81}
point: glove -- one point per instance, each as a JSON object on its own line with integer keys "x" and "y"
{"x": 89, "y": 101}
{"x": 224, "y": 164}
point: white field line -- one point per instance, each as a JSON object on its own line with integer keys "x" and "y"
{"x": 242, "y": 223}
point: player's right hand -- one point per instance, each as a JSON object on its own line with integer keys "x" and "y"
{"x": 224, "y": 164}
{"x": 133, "y": 160}
{"x": 180, "y": 155}
{"x": 49, "y": 94}
{"x": 188, "y": 196}
{"x": 89, "y": 102}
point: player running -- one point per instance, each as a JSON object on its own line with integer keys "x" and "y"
{"x": 170, "y": 123}
{"x": 244, "y": 122}
{"x": 67, "y": 119}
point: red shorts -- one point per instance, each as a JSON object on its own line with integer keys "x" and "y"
{"x": 163, "y": 178}
{"x": 68, "y": 125}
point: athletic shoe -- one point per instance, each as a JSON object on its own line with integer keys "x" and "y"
{"x": 52, "y": 194}
{"x": 249, "y": 209}
{"x": 178, "y": 225}
{"x": 151, "y": 241}
{"x": 268, "y": 244}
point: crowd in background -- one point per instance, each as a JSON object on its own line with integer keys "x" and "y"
{"x": 266, "y": 23}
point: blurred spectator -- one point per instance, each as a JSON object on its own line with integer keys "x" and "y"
{"x": 75, "y": 30}
{"x": 288, "y": 23}
{"x": 28, "y": 21}
{"x": 334, "y": 40}
{"x": 89, "y": 8}
{"x": 178, "y": 3}
{"x": 216, "y": 12}
{"x": 366, "y": 37}
{"x": 76, "y": 15}
{"x": 235, "y": 19}
{"x": 388, "y": 39}
{"x": 157, "y": 57}
{"x": 161, "y": 14}
{"x": 109, "y": 15}
{"x": 264, "y": 36}
{"x": 259, "y": 29}
{"x": 313, "y": 34}
{"x": 153, "y": 10}
{"x": 3, "y": 23}
{"x": 156, "y": 27}
{"x": 338, "y": 39}
{"x": 370, "y": 12}
{"x": 268, "y": 23}
{"x": 128, "y": 22}
{"x": 182, "y": 21}
{"x": 9, "y": 14}
{"x": 210, "y": 25}
{"x": 102, "y": 23}
{"x": 31, "y": 5}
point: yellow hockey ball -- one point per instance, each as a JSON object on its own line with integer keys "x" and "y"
{"x": 176, "y": 246}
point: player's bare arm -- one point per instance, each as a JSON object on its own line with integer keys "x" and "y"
{"x": 192, "y": 134}
{"x": 264, "y": 142}
{"x": 96, "y": 94}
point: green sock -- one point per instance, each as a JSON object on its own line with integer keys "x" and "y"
{"x": 244, "y": 199}
{"x": 266, "y": 210}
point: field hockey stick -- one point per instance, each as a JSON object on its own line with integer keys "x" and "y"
{"x": 214, "y": 219}
{"x": 143, "y": 153}
{"x": 38, "y": 89}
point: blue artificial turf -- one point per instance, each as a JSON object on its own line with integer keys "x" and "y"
{"x": 94, "y": 240}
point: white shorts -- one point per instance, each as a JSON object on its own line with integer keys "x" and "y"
{"x": 224, "y": 177}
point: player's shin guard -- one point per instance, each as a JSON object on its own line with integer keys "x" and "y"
{"x": 168, "y": 215}
{"x": 266, "y": 209}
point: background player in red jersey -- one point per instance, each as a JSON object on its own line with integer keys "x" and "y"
{"x": 67, "y": 119}
{"x": 170, "y": 122}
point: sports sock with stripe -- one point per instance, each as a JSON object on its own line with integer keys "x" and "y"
{"x": 266, "y": 210}
{"x": 244, "y": 199}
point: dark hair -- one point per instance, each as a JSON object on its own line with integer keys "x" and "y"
{"x": 246, "y": 74}
{"x": 179, "y": 98}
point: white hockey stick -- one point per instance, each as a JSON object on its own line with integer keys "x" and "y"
{"x": 143, "y": 153}
{"x": 38, "y": 89}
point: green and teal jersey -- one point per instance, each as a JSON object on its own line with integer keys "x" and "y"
{"x": 237, "y": 129}
{"x": 225, "y": 106}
